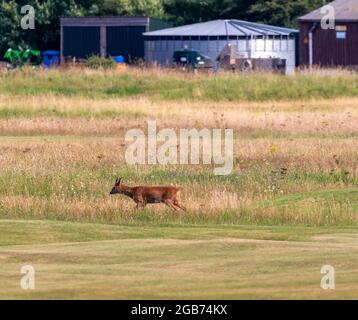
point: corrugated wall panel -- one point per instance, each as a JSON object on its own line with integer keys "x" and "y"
{"x": 126, "y": 41}
{"x": 81, "y": 42}
{"x": 242, "y": 46}
{"x": 328, "y": 51}
{"x": 285, "y": 49}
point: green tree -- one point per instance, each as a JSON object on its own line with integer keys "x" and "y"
{"x": 191, "y": 11}
{"x": 282, "y": 12}
{"x": 47, "y": 25}
{"x": 152, "y": 8}
{"x": 9, "y": 17}
{"x": 276, "y": 12}
{"x": 233, "y": 9}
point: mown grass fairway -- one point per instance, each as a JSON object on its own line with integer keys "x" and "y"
{"x": 289, "y": 206}
{"x": 76, "y": 260}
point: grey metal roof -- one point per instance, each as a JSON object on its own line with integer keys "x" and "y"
{"x": 345, "y": 10}
{"x": 223, "y": 28}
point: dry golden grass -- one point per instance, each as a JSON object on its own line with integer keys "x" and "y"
{"x": 62, "y": 154}
{"x": 79, "y": 116}
{"x": 70, "y": 178}
{"x": 148, "y": 106}
{"x": 69, "y": 148}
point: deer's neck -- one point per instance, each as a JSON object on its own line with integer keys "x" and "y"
{"x": 128, "y": 191}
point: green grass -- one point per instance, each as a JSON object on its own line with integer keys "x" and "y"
{"x": 169, "y": 86}
{"x": 78, "y": 261}
{"x": 340, "y": 195}
{"x": 57, "y": 215}
{"x": 34, "y": 232}
{"x": 79, "y": 194}
{"x": 24, "y": 112}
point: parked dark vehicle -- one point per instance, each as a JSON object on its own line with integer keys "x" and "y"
{"x": 191, "y": 59}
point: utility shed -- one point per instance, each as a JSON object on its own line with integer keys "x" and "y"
{"x": 85, "y": 36}
{"x": 253, "y": 40}
{"x": 333, "y": 47}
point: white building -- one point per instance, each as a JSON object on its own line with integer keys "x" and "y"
{"x": 253, "y": 40}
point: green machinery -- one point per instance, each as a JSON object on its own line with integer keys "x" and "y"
{"x": 20, "y": 58}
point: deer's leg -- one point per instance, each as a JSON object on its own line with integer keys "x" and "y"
{"x": 170, "y": 204}
{"x": 140, "y": 204}
{"x": 177, "y": 204}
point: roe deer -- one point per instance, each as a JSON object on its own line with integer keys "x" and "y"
{"x": 144, "y": 195}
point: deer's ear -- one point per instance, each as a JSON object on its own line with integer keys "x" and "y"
{"x": 118, "y": 181}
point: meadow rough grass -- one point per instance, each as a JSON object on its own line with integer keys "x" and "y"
{"x": 296, "y": 157}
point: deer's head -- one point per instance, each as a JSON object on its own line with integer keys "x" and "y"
{"x": 116, "y": 189}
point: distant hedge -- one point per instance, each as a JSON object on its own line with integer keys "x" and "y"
{"x": 97, "y": 62}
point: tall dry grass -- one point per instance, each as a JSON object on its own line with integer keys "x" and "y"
{"x": 296, "y": 151}
{"x": 81, "y": 116}
{"x": 70, "y": 179}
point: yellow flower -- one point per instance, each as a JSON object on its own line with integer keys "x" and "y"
{"x": 273, "y": 148}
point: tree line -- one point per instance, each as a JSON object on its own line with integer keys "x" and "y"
{"x": 46, "y": 34}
